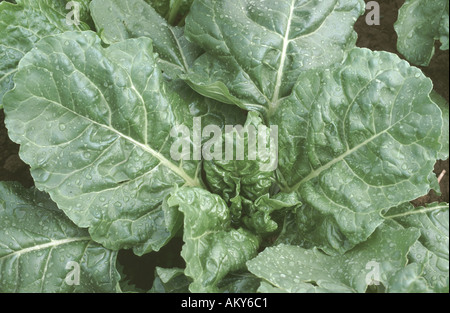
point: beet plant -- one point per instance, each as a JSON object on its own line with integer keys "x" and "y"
{"x": 282, "y": 155}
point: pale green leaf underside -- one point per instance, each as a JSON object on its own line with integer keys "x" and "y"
{"x": 212, "y": 248}
{"x": 257, "y": 49}
{"x": 295, "y": 269}
{"x": 94, "y": 125}
{"x": 38, "y": 244}
{"x": 419, "y": 25}
{"x": 365, "y": 136}
{"x": 25, "y": 23}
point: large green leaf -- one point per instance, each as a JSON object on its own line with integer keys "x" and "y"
{"x": 432, "y": 250}
{"x": 419, "y": 25}
{"x": 257, "y": 49}
{"x": 295, "y": 269}
{"x": 25, "y": 23}
{"x": 363, "y": 137}
{"x": 212, "y": 247}
{"x": 41, "y": 250}
{"x": 119, "y": 20}
{"x": 94, "y": 124}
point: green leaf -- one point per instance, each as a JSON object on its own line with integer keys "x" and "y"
{"x": 257, "y": 49}
{"x": 212, "y": 248}
{"x": 239, "y": 282}
{"x": 363, "y": 137}
{"x": 310, "y": 228}
{"x": 170, "y": 280}
{"x": 174, "y": 11}
{"x": 432, "y": 250}
{"x": 104, "y": 152}
{"x": 418, "y": 26}
{"x": 43, "y": 251}
{"x": 120, "y": 20}
{"x": 257, "y": 216}
{"x": 443, "y": 105}
{"x": 246, "y": 166}
{"x": 25, "y": 23}
{"x": 295, "y": 269}
{"x": 408, "y": 280}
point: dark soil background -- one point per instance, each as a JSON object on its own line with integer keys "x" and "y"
{"x": 382, "y": 37}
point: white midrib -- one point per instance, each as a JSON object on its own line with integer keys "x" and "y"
{"x": 319, "y": 170}
{"x": 164, "y": 161}
{"x": 422, "y": 211}
{"x": 276, "y": 94}
{"x": 51, "y": 244}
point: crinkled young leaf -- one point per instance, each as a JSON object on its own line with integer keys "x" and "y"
{"x": 119, "y": 20}
{"x": 257, "y": 216}
{"x": 94, "y": 124}
{"x": 361, "y": 138}
{"x": 25, "y": 23}
{"x": 432, "y": 250}
{"x": 257, "y": 49}
{"x": 419, "y": 25}
{"x": 292, "y": 268}
{"x": 212, "y": 248}
{"x": 239, "y": 164}
{"x": 43, "y": 251}
{"x": 171, "y": 280}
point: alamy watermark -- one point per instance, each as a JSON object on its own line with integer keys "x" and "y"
{"x": 73, "y": 277}
{"x": 373, "y": 16}
{"x": 373, "y": 277}
{"x": 73, "y": 17}
{"x": 262, "y": 144}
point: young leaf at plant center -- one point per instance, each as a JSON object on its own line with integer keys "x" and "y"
{"x": 364, "y": 137}
{"x": 104, "y": 152}
{"x": 135, "y": 18}
{"x": 43, "y": 251}
{"x": 295, "y": 269}
{"x": 257, "y": 49}
{"x": 257, "y": 215}
{"x": 174, "y": 11}
{"x": 25, "y": 23}
{"x": 212, "y": 248}
{"x": 418, "y": 26}
{"x": 432, "y": 250}
{"x": 247, "y": 163}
